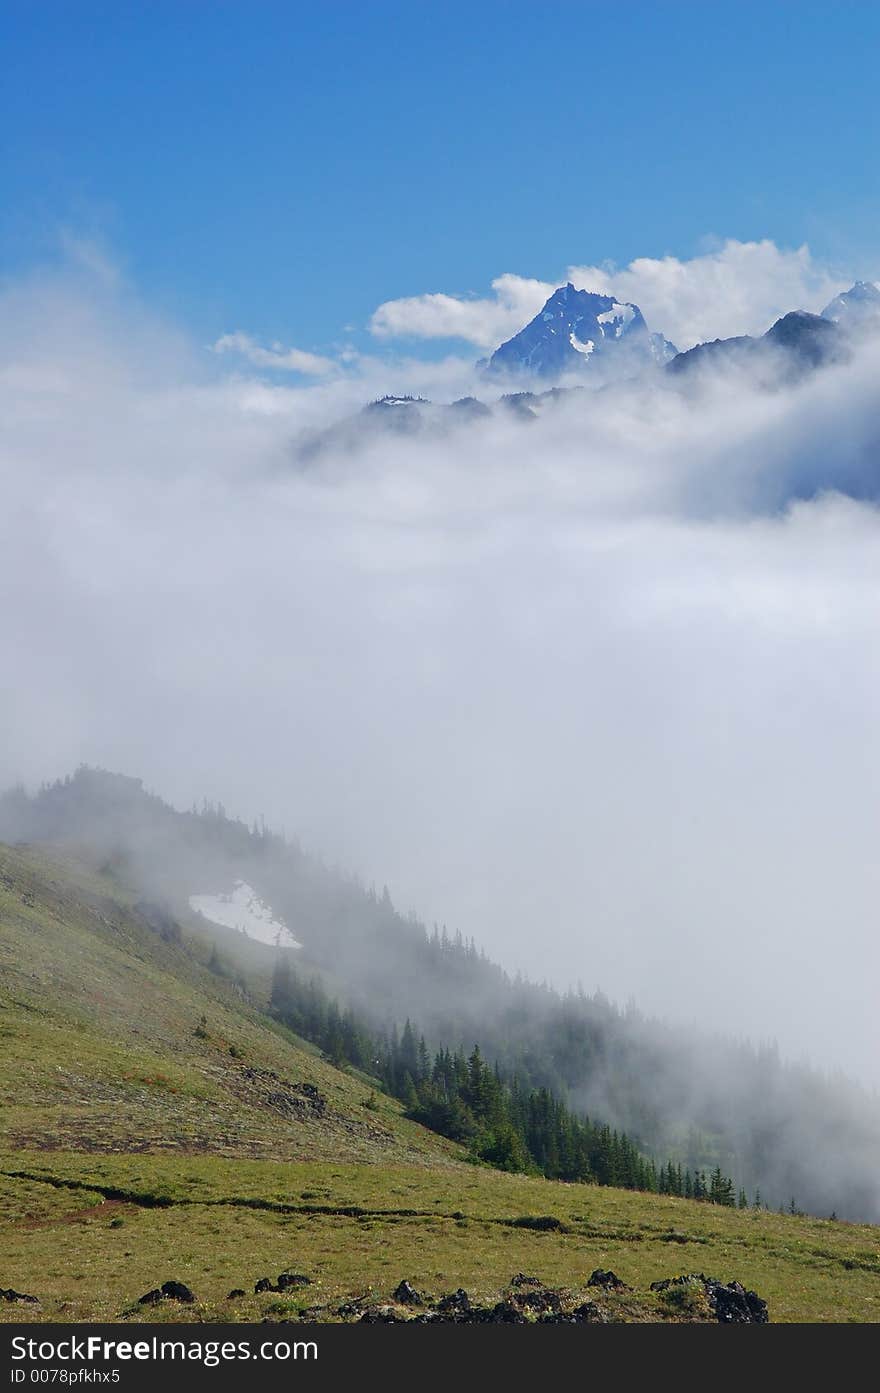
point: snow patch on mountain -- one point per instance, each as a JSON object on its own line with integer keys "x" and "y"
{"x": 662, "y": 351}
{"x": 242, "y": 909}
{"x": 618, "y": 316}
{"x": 585, "y": 348}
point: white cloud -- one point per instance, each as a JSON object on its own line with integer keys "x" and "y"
{"x": 277, "y": 357}
{"x": 736, "y": 288}
{"x": 484, "y": 323}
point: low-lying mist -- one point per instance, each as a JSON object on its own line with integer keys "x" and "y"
{"x": 598, "y": 689}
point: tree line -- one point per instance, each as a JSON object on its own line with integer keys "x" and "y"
{"x": 461, "y": 1096}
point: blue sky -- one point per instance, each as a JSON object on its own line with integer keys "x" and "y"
{"x": 282, "y": 169}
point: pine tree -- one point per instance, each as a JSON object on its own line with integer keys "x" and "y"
{"x": 280, "y": 993}
{"x": 410, "y": 1097}
{"x": 424, "y": 1061}
{"x": 721, "y": 1189}
{"x": 409, "y": 1050}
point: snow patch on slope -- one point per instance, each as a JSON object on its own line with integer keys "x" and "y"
{"x": 242, "y": 909}
{"x": 585, "y": 348}
{"x": 619, "y": 316}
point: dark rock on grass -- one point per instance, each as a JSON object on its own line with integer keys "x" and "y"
{"x": 589, "y": 1313}
{"x": 731, "y": 1303}
{"x": 461, "y": 1313}
{"x": 735, "y": 1306}
{"x": 586, "y": 1314}
{"x": 236, "y": 1293}
{"x": 292, "y": 1279}
{"x": 544, "y": 1305}
{"x": 505, "y": 1313}
{"x": 177, "y": 1291}
{"x": 691, "y": 1297}
{"x": 530, "y": 1294}
{"x": 290, "y": 1099}
{"x": 609, "y": 1281}
{"x": 10, "y": 1294}
{"x": 455, "y": 1302}
{"x": 169, "y": 1291}
{"x": 536, "y": 1299}
{"x": 666, "y": 1282}
{"x": 349, "y": 1308}
{"x": 407, "y": 1295}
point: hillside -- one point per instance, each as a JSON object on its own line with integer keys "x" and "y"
{"x": 118, "y": 1040}
{"x": 785, "y": 1131}
{"x": 158, "y": 1126}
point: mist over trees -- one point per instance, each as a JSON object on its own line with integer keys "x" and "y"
{"x": 461, "y": 1097}
{"x": 692, "y": 1103}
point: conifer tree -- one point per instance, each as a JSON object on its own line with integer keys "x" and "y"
{"x": 280, "y": 994}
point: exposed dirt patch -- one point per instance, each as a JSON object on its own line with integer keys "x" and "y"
{"x": 107, "y": 1209}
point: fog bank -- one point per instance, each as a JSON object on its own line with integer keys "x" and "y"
{"x": 599, "y": 690}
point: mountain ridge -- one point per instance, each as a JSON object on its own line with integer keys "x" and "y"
{"x": 795, "y": 345}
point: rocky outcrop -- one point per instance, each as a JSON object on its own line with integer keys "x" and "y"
{"x": 169, "y": 1291}
{"x": 529, "y": 1301}
{"x": 454, "y": 1303}
{"x": 291, "y": 1100}
{"x": 730, "y": 1302}
{"x": 284, "y": 1282}
{"x": 407, "y": 1295}
{"x": 608, "y": 1280}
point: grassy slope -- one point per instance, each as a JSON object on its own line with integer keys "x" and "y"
{"x": 102, "y": 1047}
{"x": 182, "y": 1166}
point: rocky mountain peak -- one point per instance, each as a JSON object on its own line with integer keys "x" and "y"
{"x": 580, "y": 331}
